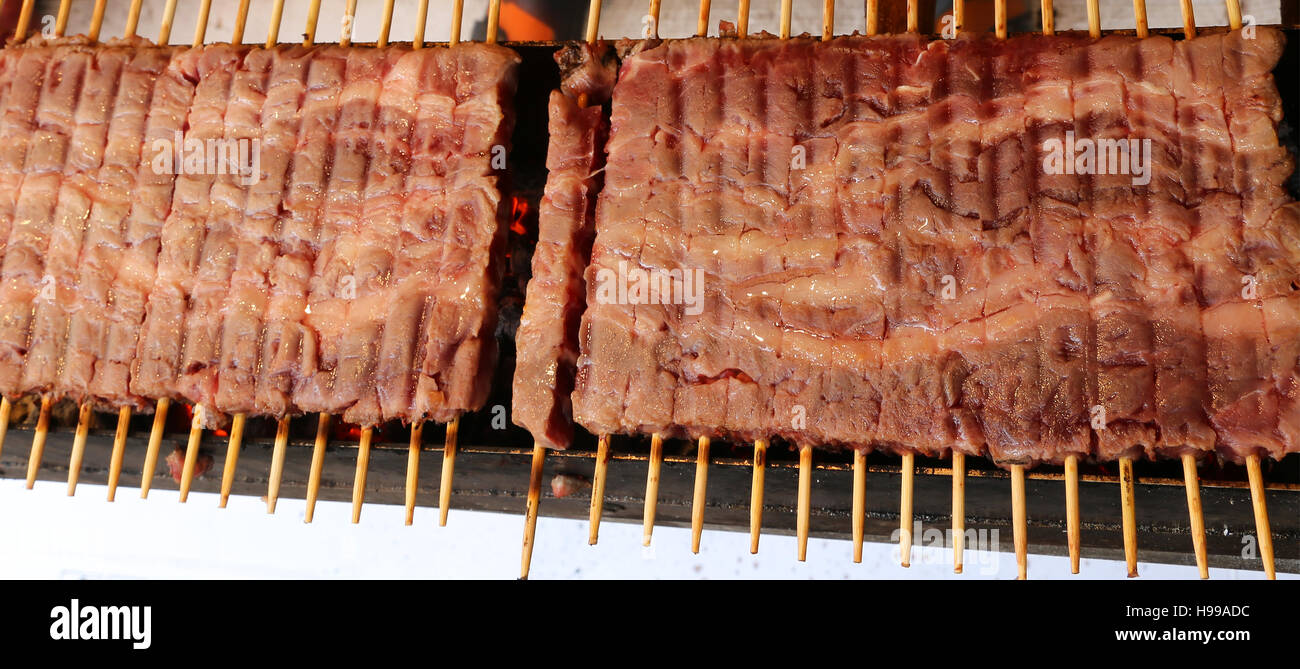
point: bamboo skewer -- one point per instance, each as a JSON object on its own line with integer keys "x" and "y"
{"x": 119, "y": 450}
{"x": 1129, "y": 511}
{"x": 38, "y": 441}
{"x": 61, "y": 19}
{"x": 1189, "y": 19}
{"x": 1019, "y": 515}
{"x": 1253, "y": 469}
{"x": 958, "y": 511}
{"x": 273, "y": 28}
{"x": 701, "y": 488}
{"x": 598, "y": 489}
{"x": 449, "y": 447}
{"x": 602, "y": 443}
{"x": 448, "y": 471}
{"x": 278, "y": 451}
{"x": 1072, "y": 524}
{"x": 756, "y": 494}
{"x": 1234, "y": 13}
{"x": 367, "y": 432}
{"x": 84, "y": 414}
{"x": 5, "y": 409}
{"x": 363, "y": 468}
{"x": 155, "y": 441}
{"x": 241, "y": 21}
{"x": 78, "y": 447}
{"x": 160, "y": 409}
{"x": 239, "y": 420}
{"x": 201, "y": 25}
{"x": 317, "y": 465}
{"x": 652, "y": 488}
{"x": 386, "y": 25}
{"x": 905, "y": 510}
{"x": 859, "y": 502}
{"x": 1127, "y": 496}
{"x": 236, "y": 438}
{"x": 702, "y": 444}
{"x": 1019, "y": 521}
{"x": 494, "y": 21}
{"x": 539, "y": 451}
{"x": 232, "y": 458}
{"x": 1197, "y": 516}
{"x": 313, "y": 16}
{"x": 233, "y": 445}
{"x": 958, "y": 520}
{"x": 169, "y": 15}
{"x": 1261, "y": 515}
{"x": 759, "y": 476}
{"x": 349, "y": 15}
{"x": 43, "y": 421}
{"x": 124, "y": 413}
{"x": 413, "y": 470}
{"x": 909, "y": 459}
{"x": 1140, "y": 17}
{"x": 420, "y": 20}
{"x": 133, "y": 18}
{"x": 196, "y": 425}
{"x": 457, "y": 12}
{"x": 24, "y": 20}
{"x": 873, "y": 17}
{"x": 97, "y": 20}
{"x": 530, "y": 511}
{"x": 805, "y": 501}
{"x": 593, "y": 22}
{"x": 1194, "y": 510}
{"x": 192, "y": 452}
{"x": 655, "y": 464}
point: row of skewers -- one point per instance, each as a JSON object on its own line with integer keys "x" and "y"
{"x": 1019, "y": 512}
{"x": 239, "y": 421}
{"x": 603, "y": 452}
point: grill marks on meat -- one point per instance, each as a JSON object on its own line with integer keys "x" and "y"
{"x": 298, "y": 235}
{"x": 246, "y": 306}
{"x": 105, "y": 242}
{"x": 205, "y": 320}
{"x": 459, "y": 346}
{"x": 1120, "y": 316}
{"x": 227, "y": 289}
{"x": 547, "y": 339}
{"x": 922, "y": 282}
{"x": 185, "y": 257}
{"x": 151, "y": 200}
{"x": 86, "y": 143}
{"x": 375, "y": 271}
{"x": 331, "y": 364}
{"x": 51, "y": 101}
{"x": 420, "y": 221}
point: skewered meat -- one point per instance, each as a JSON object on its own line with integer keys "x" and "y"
{"x": 1025, "y": 248}
{"x": 253, "y": 230}
{"x": 547, "y": 338}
